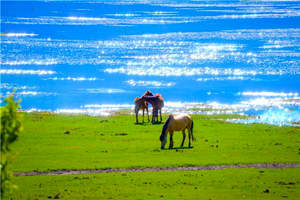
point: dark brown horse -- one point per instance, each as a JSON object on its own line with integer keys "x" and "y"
{"x": 140, "y": 104}
{"x": 157, "y": 103}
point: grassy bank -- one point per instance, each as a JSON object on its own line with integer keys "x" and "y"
{"x": 51, "y": 142}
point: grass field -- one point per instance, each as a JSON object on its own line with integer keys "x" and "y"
{"x": 50, "y": 142}
{"x": 212, "y": 184}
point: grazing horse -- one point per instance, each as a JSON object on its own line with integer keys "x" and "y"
{"x": 140, "y": 104}
{"x": 177, "y": 123}
{"x": 157, "y": 103}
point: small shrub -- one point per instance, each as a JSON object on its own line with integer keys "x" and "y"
{"x": 10, "y": 127}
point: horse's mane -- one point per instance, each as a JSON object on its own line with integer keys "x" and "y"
{"x": 148, "y": 93}
{"x": 164, "y": 130}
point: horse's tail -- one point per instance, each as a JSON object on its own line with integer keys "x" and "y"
{"x": 136, "y": 99}
{"x": 192, "y": 126}
{"x": 164, "y": 130}
{"x": 159, "y": 96}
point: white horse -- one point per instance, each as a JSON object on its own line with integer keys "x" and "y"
{"x": 157, "y": 103}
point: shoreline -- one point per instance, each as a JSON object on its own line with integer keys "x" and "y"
{"x": 226, "y": 115}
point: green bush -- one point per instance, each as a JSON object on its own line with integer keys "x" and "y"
{"x": 10, "y": 127}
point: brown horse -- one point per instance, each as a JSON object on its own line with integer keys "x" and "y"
{"x": 177, "y": 123}
{"x": 157, "y": 103}
{"x": 140, "y": 104}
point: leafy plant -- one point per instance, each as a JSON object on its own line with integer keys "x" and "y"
{"x": 10, "y": 127}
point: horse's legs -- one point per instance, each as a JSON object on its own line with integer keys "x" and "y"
{"x": 143, "y": 114}
{"x": 171, "y": 140}
{"x": 148, "y": 114}
{"x": 160, "y": 115}
{"x": 136, "y": 116}
{"x": 183, "y": 138}
{"x": 153, "y": 115}
{"x": 189, "y": 138}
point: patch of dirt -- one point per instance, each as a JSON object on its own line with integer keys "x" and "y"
{"x": 284, "y": 183}
{"x": 151, "y": 169}
{"x": 121, "y": 134}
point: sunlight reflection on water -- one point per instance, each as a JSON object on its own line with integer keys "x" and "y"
{"x": 204, "y": 57}
{"x": 274, "y": 116}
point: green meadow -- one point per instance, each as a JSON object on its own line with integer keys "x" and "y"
{"x": 51, "y": 142}
{"x": 74, "y": 142}
{"x": 211, "y": 184}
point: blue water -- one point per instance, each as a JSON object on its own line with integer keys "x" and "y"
{"x": 96, "y": 56}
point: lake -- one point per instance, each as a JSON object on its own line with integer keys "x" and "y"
{"x": 208, "y": 57}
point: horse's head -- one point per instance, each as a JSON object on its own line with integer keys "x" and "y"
{"x": 163, "y": 139}
{"x": 163, "y": 136}
{"x": 148, "y": 93}
{"x": 163, "y": 142}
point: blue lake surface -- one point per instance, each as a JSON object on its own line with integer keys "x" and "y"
{"x": 97, "y": 56}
